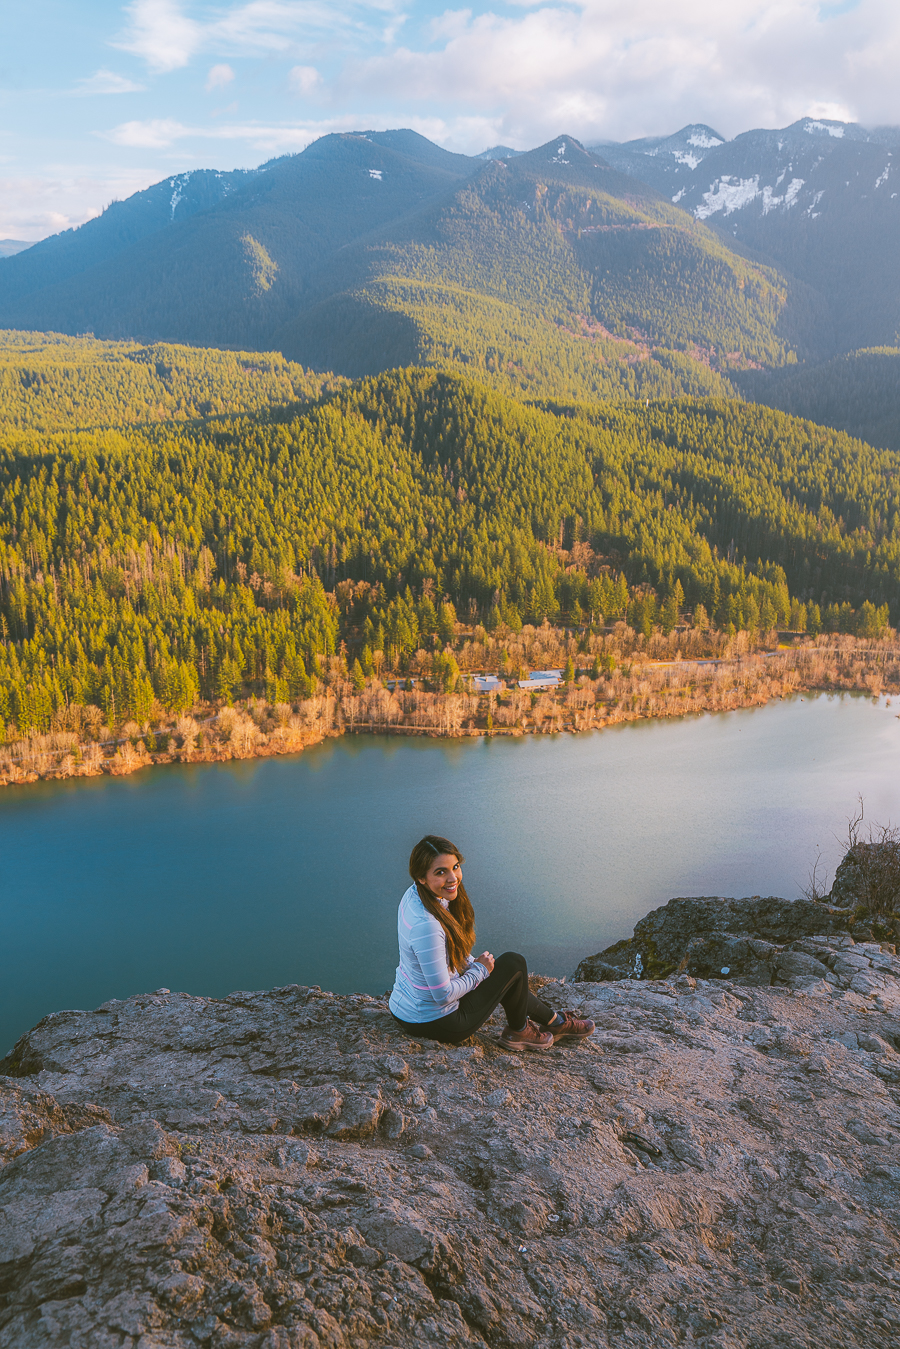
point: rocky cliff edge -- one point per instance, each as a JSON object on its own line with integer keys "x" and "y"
{"x": 717, "y": 1167}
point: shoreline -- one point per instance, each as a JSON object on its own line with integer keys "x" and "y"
{"x": 254, "y": 732}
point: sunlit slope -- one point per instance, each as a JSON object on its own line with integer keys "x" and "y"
{"x": 50, "y": 382}
{"x": 155, "y": 564}
{"x": 552, "y": 273}
{"x": 395, "y": 321}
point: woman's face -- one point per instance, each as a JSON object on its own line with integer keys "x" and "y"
{"x": 443, "y": 876}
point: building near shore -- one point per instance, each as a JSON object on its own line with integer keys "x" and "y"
{"x": 487, "y": 683}
{"x": 541, "y": 679}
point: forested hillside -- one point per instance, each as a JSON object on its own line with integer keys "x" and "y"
{"x": 554, "y": 275}
{"x": 550, "y": 273}
{"x": 49, "y": 382}
{"x": 153, "y": 564}
{"x": 680, "y": 265}
{"x": 859, "y": 393}
{"x": 230, "y": 274}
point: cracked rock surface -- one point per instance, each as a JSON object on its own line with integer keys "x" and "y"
{"x": 718, "y": 1166}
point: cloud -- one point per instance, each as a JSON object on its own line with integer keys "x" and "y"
{"x": 265, "y": 139}
{"x": 218, "y": 77}
{"x": 832, "y": 112}
{"x": 304, "y": 80}
{"x": 157, "y": 133}
{"x": 108, "y": 82}
{"x": 161, "y": 35}
{"x": 163, "y": 132}
{"x": 600, "y": 68}
{"x": 596, "y": 67}
{"x": 31, "y": 207}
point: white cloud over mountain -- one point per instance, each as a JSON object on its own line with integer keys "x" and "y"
{"x": 512, "y": 71}
{"x": 599, "y": 67}
{"x": 35, "y": 206}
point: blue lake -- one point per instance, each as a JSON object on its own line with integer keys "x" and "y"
{"x": 215, "y": 877}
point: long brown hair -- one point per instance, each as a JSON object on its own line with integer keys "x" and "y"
{"x": 458, "y": 919}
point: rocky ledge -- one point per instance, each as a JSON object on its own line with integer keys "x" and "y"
{"x": 811, "y": 948}
{"x": 718, "y": 1166}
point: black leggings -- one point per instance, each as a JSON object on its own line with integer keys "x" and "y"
{"x": 507, "y": 984}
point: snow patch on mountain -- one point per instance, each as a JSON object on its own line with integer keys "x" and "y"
{"x": 684, "y": 157}
{"x": 812, "y": 127}
{"x": 704, "y": 142}
{"x": 177, "y": 185}
{"x": 727, "y": 195}
{"x": 884, "y": 176}
{"x": 770, "y": 201}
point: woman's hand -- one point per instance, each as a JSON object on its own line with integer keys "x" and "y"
{"x": 487, "y": 960}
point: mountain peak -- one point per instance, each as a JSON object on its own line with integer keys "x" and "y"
{"x": 499, "y": 152}
{"x": 695, "y": 134}
{"x": 665, "y": 162}
{"x": 562, "y": 152}
{"x": 562, "y": 149}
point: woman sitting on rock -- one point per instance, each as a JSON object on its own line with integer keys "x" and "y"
{"x": 441, "y": 992}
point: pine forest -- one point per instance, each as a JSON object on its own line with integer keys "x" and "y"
{"x": 319, "y": 534}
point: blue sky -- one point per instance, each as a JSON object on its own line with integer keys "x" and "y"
{"x": 100, "y": 98}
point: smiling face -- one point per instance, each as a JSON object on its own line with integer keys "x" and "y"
{"x": 443, "y": 877}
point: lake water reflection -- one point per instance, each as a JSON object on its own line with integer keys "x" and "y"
{"x": 211, "y": 878}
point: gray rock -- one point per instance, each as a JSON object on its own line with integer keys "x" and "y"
{"x": 393, "y": 1122}
{"x": 358, "y": 1119}
{"x": 316, "y": 1109}
{"x": 791, "y": 963}
{"x": 296, "y": 1154}
{"x": 397, "y": 1067}
{"x": 401, "y": 1232}
{"x": 874, "y": 1044}
{"x": 869, "y": 876}
{"x": 705, "y": 936}
{"x": 184, "y": 1171}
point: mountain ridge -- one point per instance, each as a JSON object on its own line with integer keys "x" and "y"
{"x": 659, "y": 267}
{"x": 816, "y": 198}
{"x": 242, "y": 264}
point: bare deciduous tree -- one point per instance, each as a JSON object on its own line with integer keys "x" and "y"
{"x": 873, "y": 862}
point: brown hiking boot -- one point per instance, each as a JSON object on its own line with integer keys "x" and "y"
{"x": 530, "y": 1037}
{"x": 573, "y": 1025}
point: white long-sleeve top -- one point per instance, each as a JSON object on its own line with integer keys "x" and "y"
{"x": 425, "y": 987}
